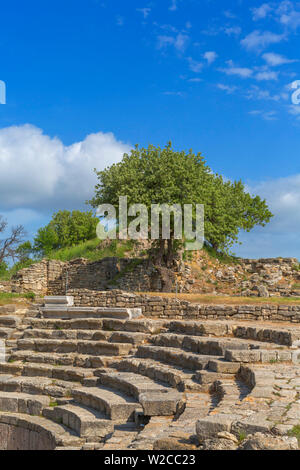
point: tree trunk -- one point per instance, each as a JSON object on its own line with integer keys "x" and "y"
{"x": 160, "y": 253}
{"x": 170, "y": 253}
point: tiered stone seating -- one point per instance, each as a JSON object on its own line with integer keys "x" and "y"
{"x": 85, "y": 381}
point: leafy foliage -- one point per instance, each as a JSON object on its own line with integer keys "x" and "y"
{"x": 156, "y": 176}
{"x": 66, "y": 229}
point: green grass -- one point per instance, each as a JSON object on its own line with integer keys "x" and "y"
{"x": 228, "y": 300}
{"x": 295, "y": 432}
{"x": 9, "y": 297}
{"x": 222, "y": 257}
{"x": 93, "y": 251}
{"x": 242, "y": 436}
{"x": 90, "y": 250}
{"x": 53, "y": 404}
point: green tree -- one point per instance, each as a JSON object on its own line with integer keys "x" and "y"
{"x": 24, "y": 251}
{"x": 45, "y": 241}
{"x": 156, "y": 176}
{"x": 3, "y": 269}
{"x": 64, "y": 230}
{"x": 230, "y": 209}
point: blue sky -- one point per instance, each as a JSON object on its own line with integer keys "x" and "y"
{"x": 88, "y": 79}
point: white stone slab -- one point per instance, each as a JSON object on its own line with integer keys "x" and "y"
{"x": 58, "y": 300}
{"x": 68, "y": 313}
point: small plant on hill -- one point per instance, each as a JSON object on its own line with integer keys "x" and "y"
{"x": 242, "y": 436}
{"x": 295, "y": 432}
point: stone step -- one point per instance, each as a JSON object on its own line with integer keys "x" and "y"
{"x": 11, "y": 368}
{"x": 204, "y": 344}
{"x": 9, "y": 321}
{"x": 116, "y": 405}
{"x": 36, "y": 385}
{"x": 122, "y": 438}
{"x": 259, "y": 355}
{"x": 200, "y": 328}
{"x": 222, "y": 366}
{"x": 57, "y": 359}
{"x": 73, "y": 346}
{"x": 38, "y": 433}
{"x": 7, "y": 309}
{"x": 267, "y": 332}
{"x": 156, "y": 399}
{"x": 71, "y": 374}
{"x": 30, "y": 314}
{"x": 286, "y": 336}
{"x": 68, "y": 334}
{"x": 90, "y": 312}
{"x": 175, "y": 356}
{"x": 23, "y": 403}
{"x": 86, "y": 422}
{"x": 174, "y": 376}
{"x": 207, "y": 379}
{"x": 229, "y": 393}
{"x": 89, "y": 335}
{"x": 6, "y": 333}
{"x": 141, "y": 325}
{"x": 58, "y": 300}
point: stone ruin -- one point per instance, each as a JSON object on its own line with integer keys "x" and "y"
{"x": 136, "y": 372}
{"x": 272, "y": 277}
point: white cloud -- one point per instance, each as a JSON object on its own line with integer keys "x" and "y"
{"x": 194, "y": 65}
{"x": 266, "y": 115}
{"x": 174, "y": 5}
{"x": 261, "y": 12}
{"x": 283, "y": 196}
{"x": 210, "y": 56}
{"x": 229, "y": 89}
{"x": 180, "y": 42}
{"x": 242, "y": 72}
{"x": 258, "y": 40}
{"x": 120, "y": 20}
{"x": 288, "y": 15}
{"x": 273, "y": 59}
{"x": 233, "y": 30}
{"x": 229, "y": 14}
{"x": 294, "y": 110}
{"x": 266, "y": 75}
{"x": 280, "y": 237}
{"x": 145, "y": 11}
{"x": 173, "y": 93}
{"x": 40, "y": 172}
{"x": 256, "y": 93}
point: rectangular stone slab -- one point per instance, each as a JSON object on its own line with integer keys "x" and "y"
{"x": 65, "y": 312}
{"x": 59, "y": 300}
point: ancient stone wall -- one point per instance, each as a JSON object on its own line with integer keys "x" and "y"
{"x": 14, "y": 437}
{"x": 163, "y": 307}
{"x": 55, "y": 277}
{"x": 262, "y": 278}
{"x": 5, "y": 286}
{"x": 36, "y": 277}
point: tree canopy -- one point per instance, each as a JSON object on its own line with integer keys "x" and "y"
{"x": 65, "y": 229}
{"x": 164, "y": 176}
